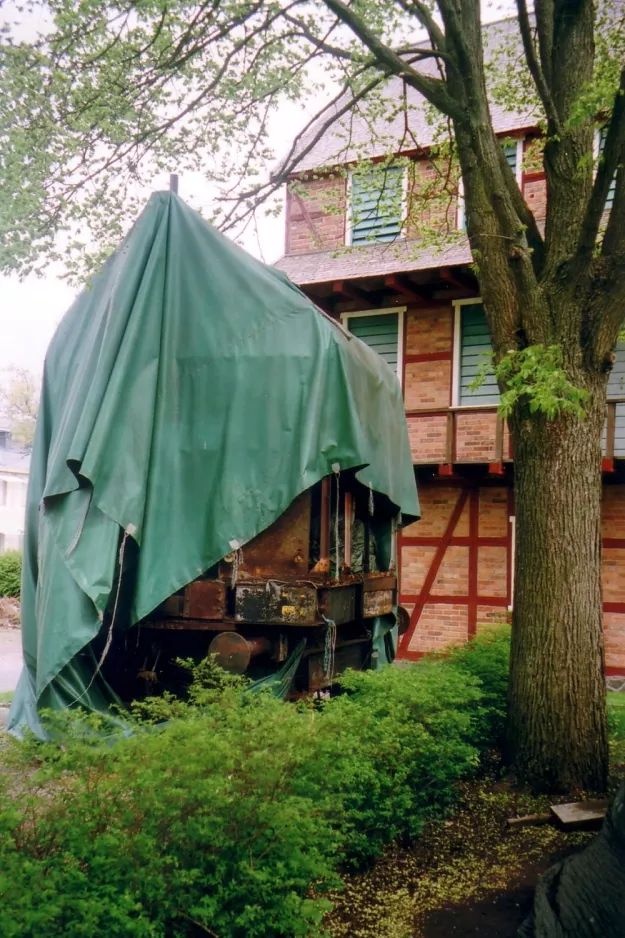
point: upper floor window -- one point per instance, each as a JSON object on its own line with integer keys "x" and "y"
{"x": 376, "y": 204}
{"x": 382, "y": 331}
{"x": 513, "y": 153}
{"x": 472, "y": 348}
{"x": 612, "y": 189}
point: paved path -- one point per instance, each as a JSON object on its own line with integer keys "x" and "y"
{"x": 10, "y": 658}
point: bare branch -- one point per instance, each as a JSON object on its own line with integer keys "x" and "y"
{"x": 536, "y": 69}
{"x": 433, "y": 89}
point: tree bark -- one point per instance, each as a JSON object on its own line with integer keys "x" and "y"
{"x": 557, "y": 732}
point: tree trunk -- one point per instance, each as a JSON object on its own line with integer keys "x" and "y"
{"x": 557, "y": 730}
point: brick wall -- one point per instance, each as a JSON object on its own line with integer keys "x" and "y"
{"x": 475, "y": 436}
{"x": 316, "y": 215}
{"x": 452, "y": 610}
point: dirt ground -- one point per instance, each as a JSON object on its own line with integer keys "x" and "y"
{"x": 467, "y": 878}
{"x": 9, "y": 613}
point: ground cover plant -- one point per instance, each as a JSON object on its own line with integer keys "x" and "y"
{"x": 232, "y": 814}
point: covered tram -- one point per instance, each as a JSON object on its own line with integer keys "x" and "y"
{"x": 218, "y": 468}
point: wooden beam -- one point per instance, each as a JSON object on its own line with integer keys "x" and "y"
{"x": 405, "y": 287}
{"x": 353, "y": 293}
{"x": 459, "y": 279}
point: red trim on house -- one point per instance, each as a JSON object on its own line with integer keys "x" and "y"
{"x": 474, "y": 520}
{"x": 614, "y": 607}
{"x": 434, "y": 568}
{"x": 456, "y": 541}
{"x": 607, "y": 465}
{"x": 613, "y": 542}
{"x": 428, "y": 357}
{"x": 454, "y": 600}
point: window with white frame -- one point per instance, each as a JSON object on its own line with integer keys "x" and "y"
{"x": 513, "y": 153}
{"x": 472, "y": 357}
{"x": 376, "y": 200}
{"x": 601, "y": 146}
{"x": 382, "y": 330}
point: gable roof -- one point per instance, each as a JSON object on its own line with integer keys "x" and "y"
{"x": 353, "y": 136}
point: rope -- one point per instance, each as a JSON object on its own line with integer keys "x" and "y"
{"x": 109, "y": 637}
{"x": 336, "y": 469}
{"x": 329, "y": 648}
{"x": 371, "y": 502}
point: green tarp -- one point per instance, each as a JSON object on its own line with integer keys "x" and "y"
{"x": 189, "y": 395}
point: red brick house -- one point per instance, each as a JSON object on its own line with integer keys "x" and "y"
{"x": 418, "y": 305}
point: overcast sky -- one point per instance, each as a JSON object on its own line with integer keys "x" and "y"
{"x": 30, "y": 310}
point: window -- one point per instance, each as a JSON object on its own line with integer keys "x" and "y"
{"x": 382, "y": 331}
{"x": 376, "y": 199}
{"x": 513, "y": 153}
{"x": 472, "y": 347}
{"x": 612, "y": 189}
{"x": 3, "y": 492}
{"x": 616, "y": 391}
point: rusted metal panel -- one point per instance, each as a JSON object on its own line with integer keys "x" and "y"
{"x": 174, "y": 606}
{"x": 276, "y": 603}
{"x": 283, "y": 550}
{"x": 379, "y": 583}
{"x": 338, "y": 603}
{"x": 377, "y": 603}
{"x": 350, "y": 656}
{"x": 195, "y": 625}
{"x": 205, "y": 599}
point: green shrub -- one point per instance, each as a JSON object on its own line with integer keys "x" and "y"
{"x": 198, "y": 821}
{"x": 10, "y": 573}
{"x": 231, "y": 814}
{"x": 487, "y": 659}
{"x": 391, "y": 750}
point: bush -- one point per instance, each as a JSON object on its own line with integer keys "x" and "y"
{"x": 487, "y": 659}
{"x": 10, "y": 573}
{"x": 233, "y": 817}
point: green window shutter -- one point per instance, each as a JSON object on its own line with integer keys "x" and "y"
{"x": 376, "y": 205}
{"x": 612, "y": 189}
{"x": 475, "y": 347}
{"x": 380, "y": 332}
{"x": 510, "y": 153}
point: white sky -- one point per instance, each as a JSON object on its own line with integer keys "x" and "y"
{"x": 31, "y": 309}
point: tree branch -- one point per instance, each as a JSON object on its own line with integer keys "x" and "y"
{"x": 433, "y": 89}
{"x": 613, "y": 154}
{"x": 535, "y": 67}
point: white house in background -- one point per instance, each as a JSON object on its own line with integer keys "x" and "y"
{"x": 14, "y": 467}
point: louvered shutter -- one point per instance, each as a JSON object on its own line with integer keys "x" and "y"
{"x": 475, "y": 347}
{"x": 380, "y": 332}
{"x": 376, "y": 205}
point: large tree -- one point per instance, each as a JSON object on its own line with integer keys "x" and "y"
{"x": 114, "y": 91}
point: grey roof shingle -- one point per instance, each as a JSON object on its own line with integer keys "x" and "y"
{"x": 371, "y": 261}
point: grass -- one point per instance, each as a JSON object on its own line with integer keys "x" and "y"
{"x": 616, "y": 711}
{"x": 6, "y": 696}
